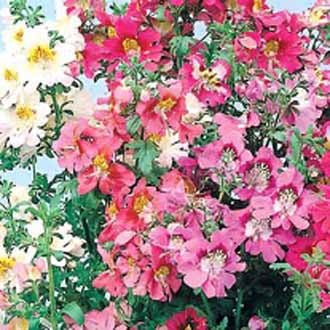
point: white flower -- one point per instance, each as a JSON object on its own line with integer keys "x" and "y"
{"x": 79, "y": 101}
{"x": 44, "y": 64}
{"x": 68, "y": 27}
{"x": 64, "y": 241}
{"x": 20, "y": 194}
{"x": 14, "y": 37}
{"x": 171, "y": 149}
{"x": 23, "y": 122}
{"x": 35, "y": 228}
{"x": 10, "y": 82}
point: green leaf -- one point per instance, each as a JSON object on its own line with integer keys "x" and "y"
{"x": 145, "y": 154}
{"x": 133, "y": 124}
{"x": 223, "y": 324}
{"x": 74, "y": 312}
{"x": 280, "y": 136}
{"x": 286, "y": 325}
{"x": 34, "y": 324}
{"x": 296, "y": 147}
{"x": 180, "y": 46}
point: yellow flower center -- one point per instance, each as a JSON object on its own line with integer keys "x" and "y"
{"x": 327, "y": 144}
{"x": 319, "y": 74}
{"x": 162, "y": 271}
{"x": 79, "y": 56}
{"x": 112, "y": 209}
{"x": 18, "y": 35}
{"x": 98, "y": 38}
{"x": 111, "y": 32}
{"x": 232, "y": 4}
{"x": 272, "y": 48}
{"x": 188, "y": 327}
{"x": 155, "y": 138}
{"x": 6, "y": 264}
{"x": 84, "y": 4}
{"x": 316, "y": 15}
{"x": 101, "y": 163}
{"x": 257, "y": 6}
{"x": 130, "y": 262}
{"x": 24, "y": 112}
{"x": 167, "y": 104}
{"x": 10, "y": 75}
{"x": 130, "y": 44}
{"x": 140, "y": 203}
{"x": 210, "y": 77}
{"x": 41, "y": 53}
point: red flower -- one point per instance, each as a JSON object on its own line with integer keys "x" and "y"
{"x": 187, "y": 319}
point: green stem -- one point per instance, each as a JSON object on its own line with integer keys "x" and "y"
{"x": 58, "y": 114}
{"x": 207, "y": 309}
{"x": 89, "y": 241}
{"x": 238, "y": 309}
{"x": 51, "y": 285}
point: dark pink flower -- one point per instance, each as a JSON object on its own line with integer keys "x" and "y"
{"x": 129, "y": 39}
{"x": 187, "y": 319}
{"x": 281, "y": 49}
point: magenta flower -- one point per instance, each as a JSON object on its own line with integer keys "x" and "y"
{"x": 210, "y": 265}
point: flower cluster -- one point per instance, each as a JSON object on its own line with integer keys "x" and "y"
{"x": 205, "y": 163}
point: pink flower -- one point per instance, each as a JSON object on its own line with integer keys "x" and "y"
{"x": 128, "y": 39}
{"x": 77, "y": 145}
{"x": 160, "y": 280}
{"x": 259, "y": 174}
{"x": 247, "y": 46}
{"x": 110, "y": 280}
{"x": 223, "y": 156}
{"x": 107, "y": 319}
{"x": 291, "y": 201}
{"x": 325, "y": 164}
{"x": 256, "y": 323}
{"x": 303, "y": 111}
{"x": 157, "y": 113}
{"x": 187, "y": 319}
{"x": 111, "y": 178}
{"x": 131, "y": 261}
{"x": 210, "y": 265}
{"x": 207, "y": 82}
{"x": 4, "y": 300}
{"x": 256, "y": 228}
{"x": 281, "y": 49}
{"x": 325, "y": 298}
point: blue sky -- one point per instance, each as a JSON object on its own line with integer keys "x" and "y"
{"x": 49, "y": 166}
